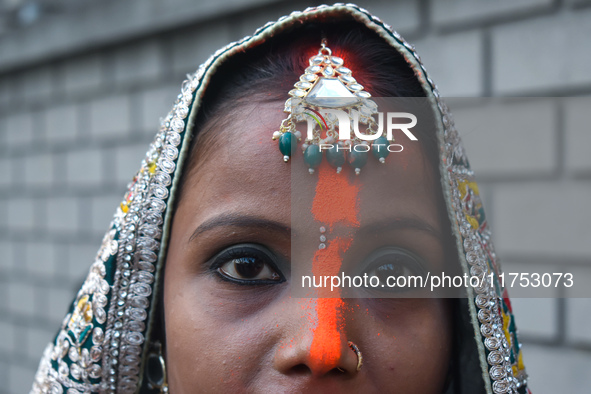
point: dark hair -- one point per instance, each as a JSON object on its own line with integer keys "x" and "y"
{"x": 275, "y": 66}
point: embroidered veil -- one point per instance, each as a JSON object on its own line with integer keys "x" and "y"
{"x": 104, "y": 340}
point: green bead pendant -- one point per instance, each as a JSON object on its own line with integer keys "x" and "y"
{"x": 287, "y": 144}
{"x": 357, "y": 160}
{"x": 336, "y": 158}
{"x": 313, "y": 157}
{"x": 380, "y": 149}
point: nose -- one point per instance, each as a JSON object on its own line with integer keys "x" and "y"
{"x": 318, "y": 348}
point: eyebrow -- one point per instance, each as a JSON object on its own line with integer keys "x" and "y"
{"x": 233, "y": 220}
{"x": 401, "y": 223}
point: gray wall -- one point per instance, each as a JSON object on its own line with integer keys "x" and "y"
{"x": 82, "y": 89}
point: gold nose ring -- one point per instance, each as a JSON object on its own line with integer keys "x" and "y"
{"x": 358, "y": 353}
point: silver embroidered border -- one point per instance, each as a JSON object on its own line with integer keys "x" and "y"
{"x": 139, "y": 242}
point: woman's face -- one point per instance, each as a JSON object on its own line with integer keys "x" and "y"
{"x": 232, "y": 322}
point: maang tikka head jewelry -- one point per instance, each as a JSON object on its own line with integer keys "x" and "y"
{"x": 335, "y": 106}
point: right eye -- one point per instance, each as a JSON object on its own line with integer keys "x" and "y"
{"x": 247, "y": 264}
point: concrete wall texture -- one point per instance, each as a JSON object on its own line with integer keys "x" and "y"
{"x": 82, "y": 90}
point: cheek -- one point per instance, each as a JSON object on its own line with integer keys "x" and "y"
{"x": 214, "y": 341}
{"x": 413, "y": 348}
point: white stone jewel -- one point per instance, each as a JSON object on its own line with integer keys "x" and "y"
{"x": 328, "y": 71}
{"x": 322, "y": 246}
{"x": 347, "y": 79}
{"x": 303, "y": 85}
{"x": 337, "y": 61}
{"x": 322, "y": 229}
{"x": 344, "y": 70}
{"x": 316, "y": 60}
{"x": 331, "y": 93}
{"x": 363, "y": 94}
{"x": 313, "y": 69}
{"x": 356, "y": 87}
{"x": 308, "y": 77}
{"x": 297, "y": 93}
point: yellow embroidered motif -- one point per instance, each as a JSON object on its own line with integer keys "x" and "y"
{"x": 465, "y": 186}
{"x": 472, "y": 220}
{"x": 81, "y": 320}
{"x": 152, "y": 167}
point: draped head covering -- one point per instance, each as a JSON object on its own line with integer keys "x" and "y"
{"x": 104, "y": 339}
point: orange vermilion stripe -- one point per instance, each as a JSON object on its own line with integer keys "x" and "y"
{"x": 335, "y": 201}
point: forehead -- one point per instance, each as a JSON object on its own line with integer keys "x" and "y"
{"x": 243, "y": 172}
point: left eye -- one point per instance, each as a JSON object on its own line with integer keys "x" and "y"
{"x": 247, "y": 264}
{"x": 391, "y": 269}
{"x": 393, "y": 262}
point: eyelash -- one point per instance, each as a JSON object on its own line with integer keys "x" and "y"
{"x": 246, "y": 251}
